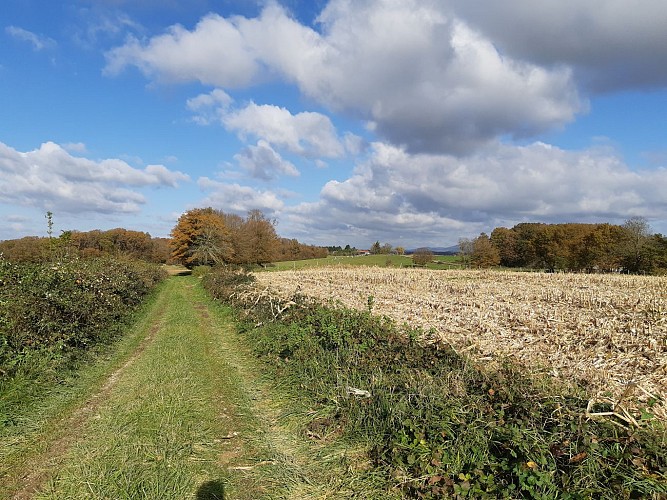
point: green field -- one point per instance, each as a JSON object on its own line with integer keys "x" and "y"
{"x": 439, "y": 262}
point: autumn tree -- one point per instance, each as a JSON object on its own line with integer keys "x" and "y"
{"x": 259, "y": 239}
{"x": 484, "y": 253}
{"x": 505, "y": 241}
{"x": 27, "y": 249}
{"x": 201, "y": 237}
{"x": 599, "y": 249}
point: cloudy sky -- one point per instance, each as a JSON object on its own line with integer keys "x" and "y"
{"x": 413, "y": 122}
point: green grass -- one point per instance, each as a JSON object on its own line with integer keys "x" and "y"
{"x": 440, "y": 262}
{"x": 174, "y": 411}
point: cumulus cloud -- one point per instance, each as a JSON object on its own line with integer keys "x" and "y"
{"x": 239, "y": 199}
{"x": 262, "y": 162}
{"x": 307, "y": 134}
{"x": 425, "y": 198}
{"x": 51, "y": 178}
{"x": 422, "y": 77}
{"x": 210, "y": 108}
{"x": 75, "y": 147}
{"x": 38, "y": 42}
{"x": 215, "y": 52}
{"x": 428, "y": 81}
{"x": 612, "y": 44}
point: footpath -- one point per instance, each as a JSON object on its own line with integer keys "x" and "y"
{"x": 185, "y": 415}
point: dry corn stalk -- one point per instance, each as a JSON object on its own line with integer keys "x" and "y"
{"x": 610, "y": 330}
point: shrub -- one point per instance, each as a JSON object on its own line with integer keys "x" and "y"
{"x": 223, "y": 282}
{"x": 67, "y": 305}
{"x": 199, "y": 271}
{"x": 422, "y": 256}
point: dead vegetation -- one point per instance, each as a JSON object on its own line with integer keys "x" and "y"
{"x": 607, "y": 330}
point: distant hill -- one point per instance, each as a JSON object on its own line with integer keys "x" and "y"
{"x": 453, "y": 250}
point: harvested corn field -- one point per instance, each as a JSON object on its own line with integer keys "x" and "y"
{"x": 609, "y": 330}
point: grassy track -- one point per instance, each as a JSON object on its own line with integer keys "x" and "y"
{"x": 45, "y": 422}
{"x": 185, "y": 416}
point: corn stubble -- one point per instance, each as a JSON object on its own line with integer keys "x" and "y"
{"x": 609, "y": 331}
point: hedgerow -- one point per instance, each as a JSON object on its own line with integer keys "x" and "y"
{"x": 59, "y": 308}
{"x": 436, "y": 423}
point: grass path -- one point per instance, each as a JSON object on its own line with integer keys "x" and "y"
{"x": 185, "y": 415}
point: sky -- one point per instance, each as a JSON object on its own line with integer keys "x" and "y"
{"x": 411, "y": 122}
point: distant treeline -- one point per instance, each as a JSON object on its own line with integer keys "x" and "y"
{"x": 96, "y": 243}
{"x": 201, "y": 237}
{"x": 630, "y": 247}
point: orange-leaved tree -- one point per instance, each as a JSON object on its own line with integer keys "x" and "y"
{"x": 258, "y": 238}
{"x": 201, "y": 237}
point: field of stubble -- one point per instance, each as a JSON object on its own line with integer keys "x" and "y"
{"x": 609, "y": 330}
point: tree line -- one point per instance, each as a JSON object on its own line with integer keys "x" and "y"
{"x": 630, "y": 247}
{"x": 86, "y": 244}
{"x": 202, "y": 236}
{"x": 206, "y": 236}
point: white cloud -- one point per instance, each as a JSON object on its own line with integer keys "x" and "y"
{"x": 75, "y": 147}
{"x": 209, "y": 108}
{"x": 262, "y": 162}
{"x": 213, "y": 53}
{"x": 51, "y": 178}
{"x": 427, "y": 81}
{"x": 239, "y": 199}
{"x": 38, "y": 42}
{"x": 99, "y": 24}
{"x": 307, "y": 134}
{"x": 423, "y": 78}
{"x": 428, "y": 198}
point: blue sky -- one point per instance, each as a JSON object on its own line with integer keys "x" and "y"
{"x": 409, "y": 122}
